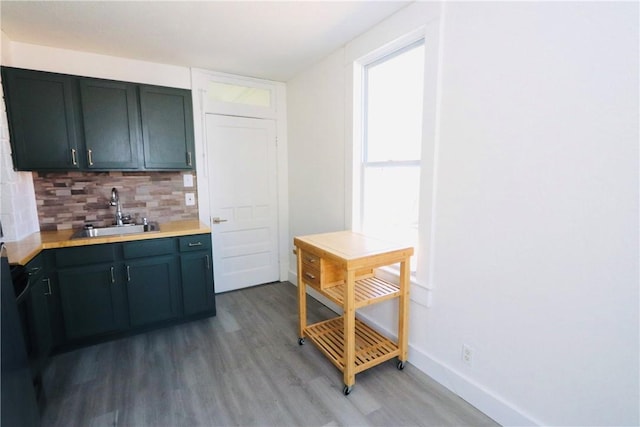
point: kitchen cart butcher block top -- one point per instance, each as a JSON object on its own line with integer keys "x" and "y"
{"x": 22, "y": 251}
{"x": 340, "y": 266}
{"x": 353, "y": 250}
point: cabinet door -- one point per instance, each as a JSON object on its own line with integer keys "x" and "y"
{"x": 40, "y": 334}
{"x": 152, "y": 288}
{"x": 110, "y": 119}
{"x": 92, "y": 301}
{"x": 197, "y": 282}
{"x": 39, "y": 322}
{"x": 41, "y": 114}
{"x": 167, "y": 128}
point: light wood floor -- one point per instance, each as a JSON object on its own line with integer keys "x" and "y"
{"x": 243, "y": 367}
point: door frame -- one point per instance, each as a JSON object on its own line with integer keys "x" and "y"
{"x": 277, "y": 112}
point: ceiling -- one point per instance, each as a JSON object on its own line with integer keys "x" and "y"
{"x": 264, "y": 39}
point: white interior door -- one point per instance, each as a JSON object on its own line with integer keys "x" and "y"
{"x": 242, "y": 167}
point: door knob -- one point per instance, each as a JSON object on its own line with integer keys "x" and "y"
{"x": 217, "y": 220}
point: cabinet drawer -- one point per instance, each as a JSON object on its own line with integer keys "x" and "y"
{"x": 196, "y": 242}
{"x": 82, "y": 255}
{"x": 145, "y": 248}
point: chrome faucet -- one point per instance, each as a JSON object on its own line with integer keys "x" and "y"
{"x": 115, "y": 201}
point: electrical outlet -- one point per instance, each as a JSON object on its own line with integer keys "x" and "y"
{"x": 467, "y": 355}
{"x": 188, "y": 180}
{"x": 190, "y": 199}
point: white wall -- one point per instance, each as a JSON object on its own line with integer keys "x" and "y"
{"x": 316, "y": 159}
{"x": 535, "y": 251}
{"x": 24, "y": 55}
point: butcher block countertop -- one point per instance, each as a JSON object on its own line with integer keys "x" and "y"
{"x": 23, "y": 251}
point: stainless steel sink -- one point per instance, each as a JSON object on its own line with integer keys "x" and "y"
{"x": 108, "y": 231}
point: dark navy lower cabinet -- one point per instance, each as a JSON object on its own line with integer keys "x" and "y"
{"x": 196, "y": 263}
{"x": 153, "y": 287}
{"x": 197, "y": 282}
{"x": 93, "y": 301}
{"x": 40, "y": 321}
{"x": 110, "y": 290}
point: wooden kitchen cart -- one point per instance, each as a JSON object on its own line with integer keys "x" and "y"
{"x": 340, "y": 266}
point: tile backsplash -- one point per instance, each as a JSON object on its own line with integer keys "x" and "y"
{"x": 72, "y": 199}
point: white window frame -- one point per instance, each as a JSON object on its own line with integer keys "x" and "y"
{"x": 360, "y": 161}
{"x": 356, "y": 56}
{"x": 364, "y": 161}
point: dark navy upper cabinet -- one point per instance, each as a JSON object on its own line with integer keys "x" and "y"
{"x": 41, "y": 108}
{"x": 167, "y": 128}
{"x": 64, "y": 122}
{"x": 111, "y": 124}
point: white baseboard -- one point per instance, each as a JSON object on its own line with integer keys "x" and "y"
{"x": 475, "y": 394}
{"x": 485, "y": 401}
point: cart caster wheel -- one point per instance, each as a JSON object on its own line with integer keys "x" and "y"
{"x": 400, "y": 365}
{"x": 346, "y": 390}
{"x": 301, "y": 341}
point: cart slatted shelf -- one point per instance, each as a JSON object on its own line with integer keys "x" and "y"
{"x": 372, "y": 348}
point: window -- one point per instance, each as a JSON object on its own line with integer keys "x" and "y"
{"x": 392, "y": 98}
{"x": 237, "y": 94}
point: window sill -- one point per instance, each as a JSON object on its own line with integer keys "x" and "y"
{"x": 418, "y": 293}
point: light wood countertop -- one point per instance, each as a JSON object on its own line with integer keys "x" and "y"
{"x": 23, "y": 251}
{"x": 352, "y": 249}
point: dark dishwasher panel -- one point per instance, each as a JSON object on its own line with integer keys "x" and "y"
{"x": 18, "y": 405}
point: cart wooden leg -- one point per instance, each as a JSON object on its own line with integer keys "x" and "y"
{"x": 403, "y": 313}
{"x": 349, "y": 319}
{"x": 302, "y": 301}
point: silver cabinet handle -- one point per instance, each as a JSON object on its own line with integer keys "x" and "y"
{"x": 311, "y": 260}
{"x": 128, "y": 274}
{"x": 218, "y": 220}
{"x": 113, "y": 278}
{"x": 73, "y": 157}
{"x": 90, "y": 157}
{"x": 46, "y": 279}
{"x": 207, "y": 257}
{"x": 189, "y": 158}
{"x": 309, "y": 275}
{"x": 34, "y": 271}
{"x": 195, "y": 244}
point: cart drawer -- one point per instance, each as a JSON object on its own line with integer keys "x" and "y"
{"x": 311, "y": 275}
{"x": 310, "y": 259}
{"x": 320, "y": 272}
